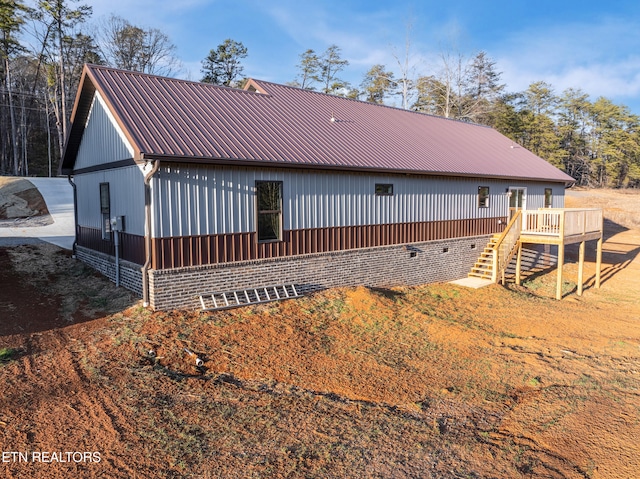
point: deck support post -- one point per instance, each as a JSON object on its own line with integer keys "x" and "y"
{"x": 560, "y": 265}
{"x": 581, "y": 268}
{"x": 598, "y": 262}
{"x": 519, "y": 263}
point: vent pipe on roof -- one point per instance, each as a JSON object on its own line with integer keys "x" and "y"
{"x": 147, "y": 231}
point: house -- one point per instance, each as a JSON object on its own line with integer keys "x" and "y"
{"x": 218, "y": 189}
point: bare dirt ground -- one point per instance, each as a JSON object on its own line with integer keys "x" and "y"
{"x": 431, "y": 382}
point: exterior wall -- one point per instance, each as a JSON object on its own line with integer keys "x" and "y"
{"x": 130, "y": 274}
{"x": 385, "y": 266}
{"x": 103, "y": 140}
{"x": 126, "y": 187}
{"x": 195, "y": 200}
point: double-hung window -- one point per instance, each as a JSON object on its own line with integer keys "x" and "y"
{"x": 269, "y": 207}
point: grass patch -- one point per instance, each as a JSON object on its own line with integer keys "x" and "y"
{"x": 7, "y": 354}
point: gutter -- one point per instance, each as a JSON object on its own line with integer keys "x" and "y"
{"x": 75, "y": 214}
{"x": 147, "y": 231}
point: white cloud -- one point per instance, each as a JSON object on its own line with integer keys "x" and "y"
{"x": 595, "y": 58}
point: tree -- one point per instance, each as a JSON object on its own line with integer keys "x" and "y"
{"x": 540, "y": 135}
{"x": 482, "y": 89}
{"x": 377, "y": 84}
{"x": 405, "y": 81}
{"x": 431, "y": 96}
{"x": 615, "y": 144}
{"x": 507, "y": 116}
{"x": 309, "y": 70}
{"x": 222, "y": 66}
{"x": 573, "y": 120}
{"x": 134, "y": 48}
{"x": 11, "y": 21}
{"x": 60, "y": 19}
{"x": 443, "y": 93}
{"x": 331, "y": 63}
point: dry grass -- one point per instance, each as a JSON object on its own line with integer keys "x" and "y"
{"x": 620, "y": 206}
{"x": 82, "y": 291}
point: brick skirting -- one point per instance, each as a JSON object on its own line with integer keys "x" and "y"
{"x": 384, "y": 266}
{"x": 130, "y": 273}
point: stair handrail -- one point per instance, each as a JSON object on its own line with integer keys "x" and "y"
{"x": 504, "y": 246}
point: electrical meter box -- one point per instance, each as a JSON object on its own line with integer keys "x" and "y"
{"x": 117, "y": 223}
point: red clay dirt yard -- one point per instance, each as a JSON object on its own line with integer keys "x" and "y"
{"x": 435, "y": 381}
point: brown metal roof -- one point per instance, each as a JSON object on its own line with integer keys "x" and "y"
{"x": 286, "y": 126}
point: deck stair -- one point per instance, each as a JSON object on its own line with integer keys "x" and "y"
{"x": 483, "y": 267}
{"x": 244, "y": 297}
{"x": 494, "y": 260}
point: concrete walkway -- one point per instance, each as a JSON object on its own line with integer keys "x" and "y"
{"x": 474, "y": 283}
{"x": 58, "y": 195}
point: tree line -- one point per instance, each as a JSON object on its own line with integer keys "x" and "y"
{"x": 597, "y": 142}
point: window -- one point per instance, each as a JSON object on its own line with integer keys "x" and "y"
{"x": 483, "y": 196}
{"x": 105, "y": 210}
{"x": 384, "y": 189}
{"x": 269, "y": 199}
{"x": 548, "y": 198}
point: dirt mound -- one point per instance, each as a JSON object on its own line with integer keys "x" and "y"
{"x": 435, "y": 381}
{"x": 20, "y": 200}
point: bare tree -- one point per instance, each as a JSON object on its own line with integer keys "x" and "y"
{"x": 130, "y": 47}
{"x": 404, "y": 81}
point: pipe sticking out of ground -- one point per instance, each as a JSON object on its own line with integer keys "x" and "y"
{"x": 199, "y": 362}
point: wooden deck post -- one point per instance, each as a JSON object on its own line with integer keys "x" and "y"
{"x": 598, "y": 262}
{"x": 519, "y": 263}
{"x": 560, "y": 265}
{"x": 581, "y": 268}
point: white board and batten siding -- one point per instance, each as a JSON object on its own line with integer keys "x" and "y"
{"x": 103, "y": 142}
{"x": 200, "y": 200}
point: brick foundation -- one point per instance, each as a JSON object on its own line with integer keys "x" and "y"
{"x": 130, "y": 273}
{"x": 417, "y": 263}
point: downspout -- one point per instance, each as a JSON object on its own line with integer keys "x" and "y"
{"x": 147, "y": 231}
{"x": 75, "y": 214}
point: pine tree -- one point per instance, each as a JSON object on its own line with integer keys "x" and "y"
{"x": 222, "y": 66}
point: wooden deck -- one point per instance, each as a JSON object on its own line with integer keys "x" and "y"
{"x": 563, "y": 226}
{"x": 554, "y": 226}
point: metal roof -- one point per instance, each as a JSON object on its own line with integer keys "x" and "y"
{"x": 276, "y": 125}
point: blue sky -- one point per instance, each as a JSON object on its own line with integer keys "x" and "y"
{"x": 593, "y": 46}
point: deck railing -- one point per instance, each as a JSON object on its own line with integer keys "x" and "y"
{"x": 504, "y": 247}
{"x": 562, "y": 222}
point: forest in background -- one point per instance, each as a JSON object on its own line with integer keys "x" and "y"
{"x": 43, "y": 49}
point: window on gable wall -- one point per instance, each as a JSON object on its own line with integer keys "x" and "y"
{"x": 483, "y": 196}
{"x": 105, "y": 210}
{"x": 548, "y": 198}
{"x": 269, "y": 206}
